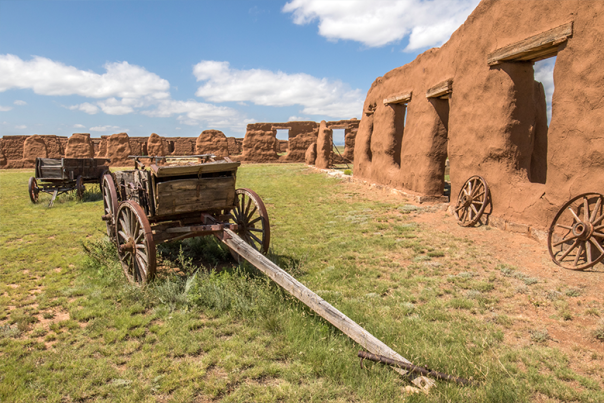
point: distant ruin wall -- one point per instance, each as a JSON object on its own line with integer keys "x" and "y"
{"x": 475, "y": 101}
{"x": 259, "y": 145}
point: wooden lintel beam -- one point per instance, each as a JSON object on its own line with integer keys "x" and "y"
{"x": 534, "y": 47}
{"x": 399, "y": 99}
{"x": 440, "y": 89}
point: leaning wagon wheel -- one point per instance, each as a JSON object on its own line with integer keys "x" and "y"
{"x": 33, "y": 190}
{"x": 575, "y": 239}
{"x": 109, "y": 204}
{"x": 135, "y": 244}
{"x": 252, "y": 219}
{"x": 80, "y": 187}
{"x": 471, "y": 201}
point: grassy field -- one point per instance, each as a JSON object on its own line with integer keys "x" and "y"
{"x": 72, "y": 329}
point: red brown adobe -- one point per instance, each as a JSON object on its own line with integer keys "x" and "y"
{"x": 311, "y": 154}
{"x": 492, "y": 123}
{"x": 118, "y": 150}
{"x": 212, "y": 142}
{"x": 79, "y": 145}
{"x": 235, "y": 145}
{"x": 34, "y": 147}
{"x": 259, "y": 146}
{"x": 324, "y": 146}
{"x": 155, "y": 146}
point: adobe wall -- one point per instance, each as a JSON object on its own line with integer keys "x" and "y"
{"x": 14, "y": 154}
{"x": 301, "y": 136}
{"x": 494, "y": 123}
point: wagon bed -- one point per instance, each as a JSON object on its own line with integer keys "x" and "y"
{"x": 62, "y": 175}
{"x": 187, "y": 197}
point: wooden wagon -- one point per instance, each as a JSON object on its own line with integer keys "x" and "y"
{"x": 56, "y": 176}
{"x": 187, "y": 197}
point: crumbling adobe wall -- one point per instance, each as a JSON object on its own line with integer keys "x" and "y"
{"x": 260, "y": 145}
{"x": 301, "y": 135}
{"x": 324, "y": 146}
{"x": 235, "y": 145}
{"x": 79, "y": 145}
{"x": 155, "y": 145}
{"x": 15, "y": 154}
{"x": 212, "y": 142}
{"x": 34, "y": 147}
{"x": 118, "y": 150}
{"x": 493, "y": 123}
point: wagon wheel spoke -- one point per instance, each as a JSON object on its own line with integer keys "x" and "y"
{"x": 565, "y": 240}
{"x": 474, "y": 208}
{"x": 597, "y": 246}
{"x": 251, "y": 214}
{"x": 594, "y": 212}
{"x": 565, "y": 227}
{"x": 585, "y": 210}
{"x": 573, "y": 246}
{"x": 588, "y": 251}
{"x": 574, "y": 214}
{"x": 581, "y": 248}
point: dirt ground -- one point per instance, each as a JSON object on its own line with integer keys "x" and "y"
{"x": 568, "y": 304}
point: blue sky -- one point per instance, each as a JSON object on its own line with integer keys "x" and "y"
{"x": 179, "y": 67}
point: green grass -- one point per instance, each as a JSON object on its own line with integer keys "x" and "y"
{"x": 72, "y": 329}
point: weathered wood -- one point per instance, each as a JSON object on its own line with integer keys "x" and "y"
{"x": 198, "y": 169}
{"x": 312, "y": 300}
{"x": 399, "y": 99}
{"x": 534, "y": 48}
{"x": 195, "y": 194}
{"x": 441, "y": 89}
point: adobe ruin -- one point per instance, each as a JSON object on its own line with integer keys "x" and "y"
{"x": 260, "y": 144}
{"x": 475, "y": 101}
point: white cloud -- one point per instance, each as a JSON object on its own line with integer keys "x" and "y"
{"x": 78, "y": 126}
{"x": 48, "y": 77}
{"x": 114, "y": 129}
{"x": 5, "y": 108}
{"x": 193, "y": 113}
{"x": 297, "y": 119}
{"x": 20, "y": 103}
{"x": 379, "y": 22}
{"x": 85, "y": 107}
{"x": 544, "y": 73}
{"x": 318, "y": 96}
{"x": 21, "y": 127}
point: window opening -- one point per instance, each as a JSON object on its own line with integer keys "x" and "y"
{"x": 170, "y": 146}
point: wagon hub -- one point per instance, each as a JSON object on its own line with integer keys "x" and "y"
{"x": 129, "y": 246}
{"x": 466, "y": 201}
{"x": 583, "y": 230}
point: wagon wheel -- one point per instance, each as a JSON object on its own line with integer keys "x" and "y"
{"x": 105, "y": 172}
{"x": 80, "y": 187}
{"x": 575, "y": 238}
{"x": 135, "y": 244}
{"x": 109, "y": 204}
{"x": 252, "y": 220}
{"x": 471, "y": 201}
{"x": 33, "y": 190}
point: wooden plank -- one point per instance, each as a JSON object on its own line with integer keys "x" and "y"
{"x": 198, "y": 169}
{"x": 399, "y": 99}
{"x": 534, "y": 48}
{"x": 440, "y": 89}
{"x": 196, "y": 194}
{"x": 312, "y": 300}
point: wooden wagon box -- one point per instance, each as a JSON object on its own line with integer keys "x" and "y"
{"x": 183, "y": 189}
{"x": 68, "y": 169}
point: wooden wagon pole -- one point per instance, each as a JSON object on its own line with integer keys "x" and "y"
{"x": 312, "y": 300}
